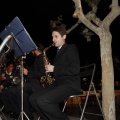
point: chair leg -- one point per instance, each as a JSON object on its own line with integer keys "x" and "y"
{"x": 83, "y": 111}
{"x": 81, "y": 108}
{"x": 98, "y": 102}
{"x": 38, "y": 118}
{"x": 64, "y": 106}
{"x": 2, "y": 116}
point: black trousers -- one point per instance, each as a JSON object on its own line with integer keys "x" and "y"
{"x": 46, "y": 101}
{"x": 10, "y": 100}
{"x": 11, "y": 97}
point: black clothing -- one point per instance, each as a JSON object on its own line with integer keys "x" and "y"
{"x": 8, "y": 86}
{"x": 9, "y": 78}
{"x": 67, "y": 82}
{"x": 32, "y": 85}
{"x": 37, "y": 69}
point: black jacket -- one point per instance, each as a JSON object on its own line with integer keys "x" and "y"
{"x": 37, "y": 69}
{"x": 67, "y": 66}
{"x": 9, "y": 78}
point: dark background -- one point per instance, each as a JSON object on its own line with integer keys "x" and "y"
{"x": 36, "y": 15}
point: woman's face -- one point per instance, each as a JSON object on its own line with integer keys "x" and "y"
{"x": 10, "y": 68}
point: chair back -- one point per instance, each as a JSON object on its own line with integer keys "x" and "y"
{"x": 87, "y": 75}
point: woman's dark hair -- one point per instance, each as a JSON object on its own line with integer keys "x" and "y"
{"x": 40, "y": 47}
{"x": 60, "y": 29}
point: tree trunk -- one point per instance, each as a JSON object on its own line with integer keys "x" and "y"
{"x": 108, "y": 95}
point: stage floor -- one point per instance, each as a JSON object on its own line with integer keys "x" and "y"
{"x": 73, "y": 111}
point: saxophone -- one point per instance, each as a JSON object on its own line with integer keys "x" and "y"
{"x": 47, "y": 79}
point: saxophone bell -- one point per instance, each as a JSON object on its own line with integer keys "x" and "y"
{"x": 15, "y": 81}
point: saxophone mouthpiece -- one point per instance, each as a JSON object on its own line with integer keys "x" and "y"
{"x": 52, "y": 44}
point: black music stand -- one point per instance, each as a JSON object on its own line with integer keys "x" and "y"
{"x": 21, "y": 44}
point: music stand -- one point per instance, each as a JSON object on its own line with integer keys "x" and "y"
{"x": 19, "y": 41}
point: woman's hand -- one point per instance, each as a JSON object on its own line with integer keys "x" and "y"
{"x": 25, "y": 71}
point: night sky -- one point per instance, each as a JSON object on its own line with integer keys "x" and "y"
{"x": 36, "y": 15}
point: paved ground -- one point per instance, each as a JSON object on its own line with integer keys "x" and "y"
{"x": 72, "y": 111}
{"x": 7, "y": 118}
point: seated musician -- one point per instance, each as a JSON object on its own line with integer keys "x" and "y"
{"x": 11, "y": 73}
{"x": 5, "y": 79}
{"x": 6, "y": 76}
{"x": 33, "y": 74}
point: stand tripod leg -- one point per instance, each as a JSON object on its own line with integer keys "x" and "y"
{"x": 22, "y": 112}
{"x": 21, "y": 116}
